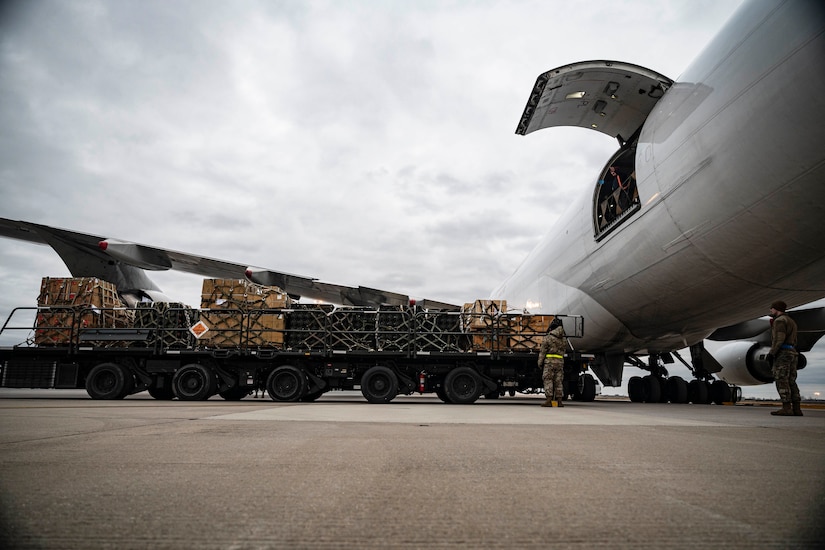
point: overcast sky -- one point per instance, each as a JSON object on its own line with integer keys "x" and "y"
{"x": 362, "y": 143}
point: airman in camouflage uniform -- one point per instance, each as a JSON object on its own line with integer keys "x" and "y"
{"x": 783, "y": 358}
{"x": 551, "y": 359}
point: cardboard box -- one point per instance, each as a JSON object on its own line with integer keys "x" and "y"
{"x": 482, "y": 314}
{"x": 69, "y": 304}
{"x": 238, "y": 314}
{"x": 242, "y": 295}
{"x": 527, "y": 331}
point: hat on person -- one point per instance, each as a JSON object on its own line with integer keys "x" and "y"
{"x": 779, "y": 305}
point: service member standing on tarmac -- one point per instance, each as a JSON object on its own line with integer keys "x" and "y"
{"x": 551, "y": 359}
{"x": 783, "y": 358}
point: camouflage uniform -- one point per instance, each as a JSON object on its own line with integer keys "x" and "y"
{"x": 783, "y": 348}
{"x": 551, "y": 358}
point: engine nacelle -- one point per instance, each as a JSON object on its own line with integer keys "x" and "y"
{"x": 745, "y": 363}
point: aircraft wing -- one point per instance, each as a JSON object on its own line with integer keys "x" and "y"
{"x": 125, "y": 263}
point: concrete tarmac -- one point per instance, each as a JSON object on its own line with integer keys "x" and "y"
{"x": 416, "y": 473}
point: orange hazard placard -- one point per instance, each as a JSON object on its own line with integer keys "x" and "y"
{"x": 198, "y": 329}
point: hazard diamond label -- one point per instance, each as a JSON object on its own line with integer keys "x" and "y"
{"x": 198, "y": 329}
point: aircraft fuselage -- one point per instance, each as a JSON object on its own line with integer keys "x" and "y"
{"x": 732, "y": 204}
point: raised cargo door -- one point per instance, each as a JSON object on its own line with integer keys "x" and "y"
{"x": 611, "y": 97}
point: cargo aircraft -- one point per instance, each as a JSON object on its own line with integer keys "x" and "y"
{"x": 712, "y": 207}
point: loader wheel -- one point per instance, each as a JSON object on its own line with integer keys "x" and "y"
{"x": 165, "y": 394}
{"x": 194, "y": 382}
{"x": 286, "y": 384}
{"x": 442, "y": 394}
{"x": 310, "y": 397}
{"x": 379, "y": 385}
{"x": 235, "y": 393}
{"x": 585, "y": 388}
{"x": 463, "y": 386}
{"x": 162, "y": 389}
{"x": 109, "y": 381}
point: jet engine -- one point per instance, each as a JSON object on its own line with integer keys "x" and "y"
{"x": 745, "y": 363}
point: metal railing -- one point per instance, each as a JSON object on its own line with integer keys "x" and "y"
{"x": 164, "y": 328}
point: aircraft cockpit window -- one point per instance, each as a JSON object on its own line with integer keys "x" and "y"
{"x": 616, "y": 196}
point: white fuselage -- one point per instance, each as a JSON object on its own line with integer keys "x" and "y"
{"x": 730, "y": 171}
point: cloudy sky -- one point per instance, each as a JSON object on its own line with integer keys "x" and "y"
{"x": 357, "y": 142}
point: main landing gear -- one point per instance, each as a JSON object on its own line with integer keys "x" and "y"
{"x": 658, "y": 387}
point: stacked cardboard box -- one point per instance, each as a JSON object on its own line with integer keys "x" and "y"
{"x": 76, "y": 303}
{"x": 527, "y": 331}
{"x": 240, "y": 314}
{"x": 482, "y": 320}
{"x": 481, "y": 314}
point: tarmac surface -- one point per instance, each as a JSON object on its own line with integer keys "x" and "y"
{"x": 415, "y": 473}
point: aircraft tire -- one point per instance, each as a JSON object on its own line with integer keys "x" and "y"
{"x": 194, "y": 382}
{"x": 286, "y": 383}
{"x": 109, "y": 381}
{"x": 463, "y": 386}
{"x": 379, "y": 385}
{"x": 676, "y": 389}
{"x": 654, "y": 388}
{"x": 720, "y": 392}
{"x": 636, "y": 390}
{"x": 698, "y": 392}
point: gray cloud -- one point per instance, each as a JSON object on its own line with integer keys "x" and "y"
{"x": 356, "y": 142}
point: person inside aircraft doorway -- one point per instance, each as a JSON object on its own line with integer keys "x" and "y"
{"x": 551, "y": 360}
{"x": 783, "y": 359}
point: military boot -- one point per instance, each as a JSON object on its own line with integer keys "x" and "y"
{"x": 560, "y": 402}
{"x": 548, "y": 402}
{"x": 797, "y": 410}
{"x": 784, "y": 411}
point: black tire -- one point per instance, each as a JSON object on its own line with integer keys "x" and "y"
{"x": 286, "y": 384}
{"x": 676, "y": 389}
{"x": 653, "y": 387}
{"x": 463, "y": 386}
{"x": 586, "y": 388}
{"x": 636, "y": 389}
{"x": 163, "y": 394}
{"x": 194, "y": 382}
{"x": 310, "y": 397}
{"x": 442, "y": 393}
{"x": 379, "y": 385}
{"x": 109, "y": 381}
{"x": 698, "y": 392}
{"x": 234, "y": 394}
{"x": 720, "y": 392}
